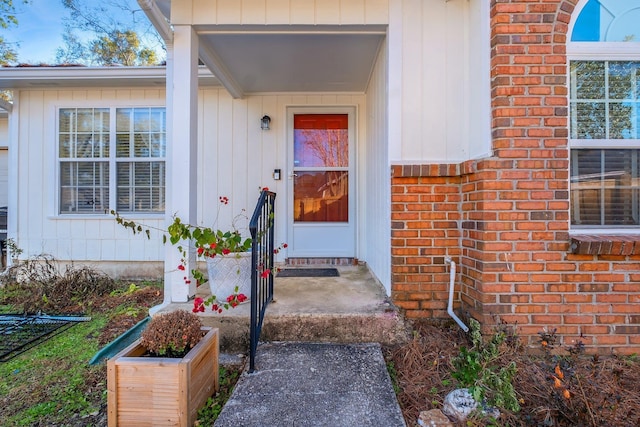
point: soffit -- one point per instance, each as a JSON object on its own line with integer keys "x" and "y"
{"x": 292, "y": 59}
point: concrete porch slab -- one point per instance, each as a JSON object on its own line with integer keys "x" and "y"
{"x": 351, "y": 308}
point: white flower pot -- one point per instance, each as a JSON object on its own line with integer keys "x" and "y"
{"x": 228, "y": 271}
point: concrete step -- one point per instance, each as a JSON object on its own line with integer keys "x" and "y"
{"x": 351, "y": 308}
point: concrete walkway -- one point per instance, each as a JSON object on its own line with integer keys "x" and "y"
{"x": 314, "y": 384}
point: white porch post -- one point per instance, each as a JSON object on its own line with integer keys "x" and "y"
{"x": 182, "y": 96}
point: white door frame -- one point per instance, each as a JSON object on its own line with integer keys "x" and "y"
{"x": 315, "y": 233}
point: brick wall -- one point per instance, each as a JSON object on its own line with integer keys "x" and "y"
{"x": 505, "y": 220}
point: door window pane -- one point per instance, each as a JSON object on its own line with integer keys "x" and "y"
{"x": 321, "y": 196}
{"x": 321, "y": 140}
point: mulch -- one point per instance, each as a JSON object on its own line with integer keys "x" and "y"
{"x": 593, "y": 391}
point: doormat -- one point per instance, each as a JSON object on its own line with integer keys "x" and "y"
{"x": 309, "y": 272}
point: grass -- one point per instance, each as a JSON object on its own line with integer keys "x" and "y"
{"x": 209, "y": 413}
{"x": 48, "y": 383}
{"x": 52, "y": 383}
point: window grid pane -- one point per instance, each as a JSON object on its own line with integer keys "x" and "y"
{"x": 84, "y": 187}
{"x": 605, "y": 187}
{"x": 141, "y": 186}
{"x": 83, "y": 133}
{"x": 141, "y": 132}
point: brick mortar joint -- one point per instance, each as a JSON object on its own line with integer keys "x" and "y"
{"x": 436, "y": 170}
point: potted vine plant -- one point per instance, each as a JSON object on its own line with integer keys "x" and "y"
{"x": 226, "y": 252}
{"x": 165, "y": 376}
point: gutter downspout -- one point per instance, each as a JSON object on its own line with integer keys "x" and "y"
{"x": 452, "y": 281}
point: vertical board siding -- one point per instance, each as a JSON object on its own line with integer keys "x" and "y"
{"x": 244, "y": 156}
{"x": 271, "y": 12}
{"x": 39, "y": 229}
{"x": 478, "y": 76}
{"x": 235, "y": 158}
{"x": 454, "y": 67}
{"x": 375, "y": 200}
{"x": 431, "y": 42}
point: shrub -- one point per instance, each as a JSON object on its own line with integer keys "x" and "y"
{"x": 482, "y": 369}
{"x": 53, "y": 289}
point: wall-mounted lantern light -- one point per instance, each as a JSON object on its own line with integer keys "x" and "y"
{"x": 265, "y": 123}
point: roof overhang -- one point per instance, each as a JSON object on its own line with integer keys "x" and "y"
{"x": 59, "y": 77}
{"x": 250, "y": 59}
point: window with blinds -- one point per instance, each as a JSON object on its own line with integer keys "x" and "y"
{"x": 605, "y": 131}
{"x": 112, "y": 158}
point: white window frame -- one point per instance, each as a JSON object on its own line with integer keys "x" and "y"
{"x": 600, "y": 51}
{"x": 112, "y": 159}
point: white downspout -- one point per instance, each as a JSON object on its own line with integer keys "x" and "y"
{"x": 452, "y": 281}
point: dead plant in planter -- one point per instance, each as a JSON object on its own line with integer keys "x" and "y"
{"x": 172, "y": 334}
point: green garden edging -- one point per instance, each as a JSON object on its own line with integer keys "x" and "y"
{"x": 120, "y": 343}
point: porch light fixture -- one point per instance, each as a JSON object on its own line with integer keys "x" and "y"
{"x": 265, "y": 123}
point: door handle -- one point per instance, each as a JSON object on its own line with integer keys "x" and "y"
{"x": 292, "y": 174}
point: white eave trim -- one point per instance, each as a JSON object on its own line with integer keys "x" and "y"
{"x": 215, "y": 64}
{"x": 56, "y": 77}
{"x": 82, "y": 73}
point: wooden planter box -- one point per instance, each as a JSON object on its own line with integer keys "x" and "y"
{"x": 161, "y": 391}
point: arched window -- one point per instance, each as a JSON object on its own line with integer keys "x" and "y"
{"x": 604, "y": 105}
{"x": 607, "y": 21}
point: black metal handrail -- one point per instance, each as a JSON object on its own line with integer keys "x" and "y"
{"x": 261, "y": 227}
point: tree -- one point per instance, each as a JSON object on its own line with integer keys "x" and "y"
{"x": 113, "y": 42}
{"x": 73, "y": 50}
{"x": 121, "y": 48}
{"x": 7, "y": 13}
{"x": 7, "y": 19}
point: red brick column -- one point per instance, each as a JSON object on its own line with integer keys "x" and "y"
{"x": 523, "y": 234}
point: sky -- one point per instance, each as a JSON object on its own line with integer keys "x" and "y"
{"x": 39, "y": 30}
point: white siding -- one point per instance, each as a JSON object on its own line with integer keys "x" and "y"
{"x": 375, "y": 228}
{"x": 266, "y": 12}
{"x": 38, "y": 227}
{"x": 4, "y": 160}
{"x": 236, "y": 157}
{"x": 4, "y": 176}
{"x": 439, "y": 81}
